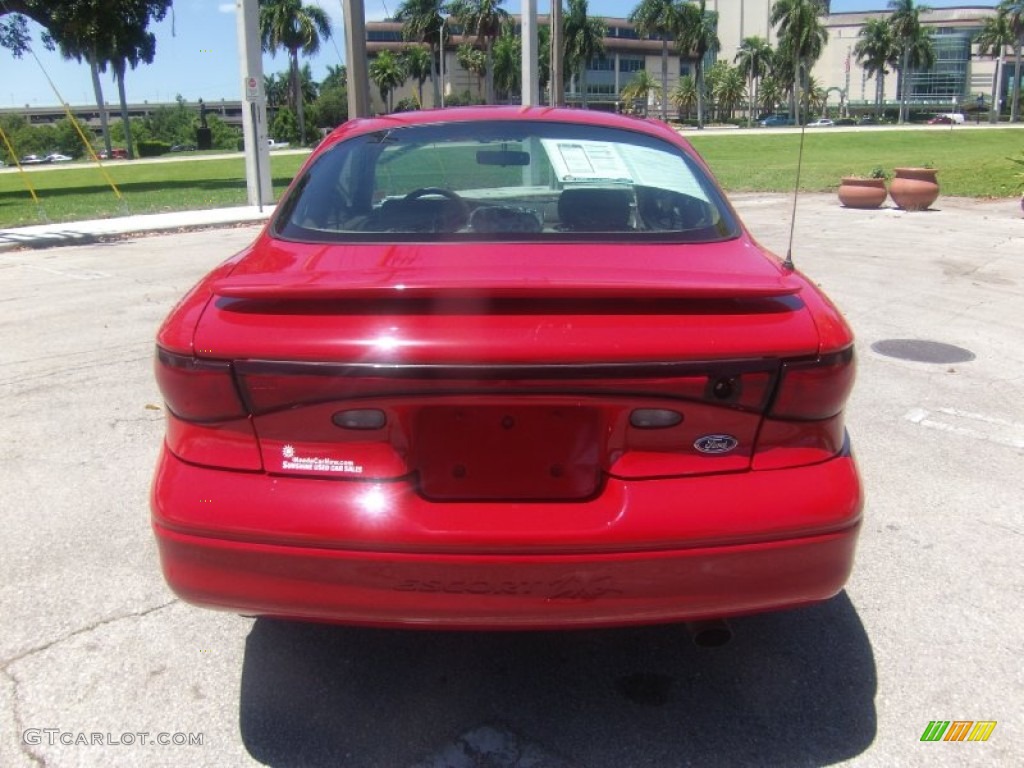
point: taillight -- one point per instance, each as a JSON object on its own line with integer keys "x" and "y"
{"x": 809, "y": 391}
{"x": 804, "y": 424}
{"x": 206, "y": 421}
{"x": 197, "y": 390}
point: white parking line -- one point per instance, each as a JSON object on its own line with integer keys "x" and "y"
{"x": 989, "y": 428}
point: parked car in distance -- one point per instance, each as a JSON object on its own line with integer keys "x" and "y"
{"x": 277, "y": 144}
{"x": 951, "y": 118}
{"x": 773, "y": 121}
{"x": 57, "y": 157}
{"x": 183, "y": 148}
{"x": 867, "y": 120}
{"x": 33, "y": 160}
{"x": 821, "y": 122}
{"x": 505, "y": 368}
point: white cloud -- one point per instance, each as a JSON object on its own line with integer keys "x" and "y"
{"x": 226, "y": 7}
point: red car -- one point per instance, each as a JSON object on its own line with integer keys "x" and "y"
{"x": 505, "y": 368}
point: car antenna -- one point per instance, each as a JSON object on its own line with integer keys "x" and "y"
{"x": 788, "y": 263}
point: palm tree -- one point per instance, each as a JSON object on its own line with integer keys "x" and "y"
{"x": 802, "y": 38}
{"x": 995, "y": 35}
{"x": 640, "y": 89}
{"x": 770, "y": 92}
{"x": 474, "y": 61}
{"x": 697, "y": 34}
{"x": 422, "y": 22}
{"x": 817, "y": 96}
{"x": 337, "y": 77}
{"x": 875, "y": 52}
{"x": 727, "y": 88}
{"x": 508, "y": 62}
{"x": 387, "y": 74}
{"x": 1014, "y": 10}
{"x": 295, "y": 27}
{"x": 753, "y": 59}
{"x": 684, "y": 95}
{"x": 584, "y": 41}
{"x": 657, "y": 18}
{"x": 908, "y": 34}
{"x": 308, "y": 87}
{"x": 483, "y": 19}
{"x": 275, "y": 89}
{"x": 418, "y": 64}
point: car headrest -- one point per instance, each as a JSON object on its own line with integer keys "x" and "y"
{"x": 594, "y": 209}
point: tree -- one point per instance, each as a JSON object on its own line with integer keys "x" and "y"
{"x": 508, "y": 62}
{"x": 71, "y": 45}
{"x": 418, "y": 64}
{"x": 876, "y": 51}
{"x": 726, "y": 87}
{"x": 816, "y": 98}
{"x": 308, "y": 87}
{"x": 639, "y": 91}
{"x": 697, "y": 34}
{"x": 332, "y": 106}
{"x": 387, "y": 74}
{"x": 996, "y": 33}
{"x": 770, "y": 93}
{"x": 584, "y": 41}
{"x": 422, "y": 22}
{"x": 1014, "y": 10}
{"x": 102, "y": 32}
{"x": 753, "y": 59}
{"x": 68, "y": 133}
{"x": 482, "y": 19}
{"x": 684, "y": 95}
{"x": 295, "y": 27}
{"x": 275, "y": 89}
{"x": 802, "y": 38}
{"x": 657, "y": 18}
{"x": 910, "y": 39}
{"x": 474, "y": 61}
{"x": 284, "y": 126}
{"x": 337, "y": 77}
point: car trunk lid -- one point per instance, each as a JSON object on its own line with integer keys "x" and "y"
{"x": 494, "y": 381}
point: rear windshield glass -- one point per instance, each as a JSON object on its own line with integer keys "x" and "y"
{"x": 501, "y": 181}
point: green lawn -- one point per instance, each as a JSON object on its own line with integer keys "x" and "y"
{"x": 971, "y": 163}
{"x": 73, "y": 194}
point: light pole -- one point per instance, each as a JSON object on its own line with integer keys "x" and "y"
{"x": 440, "y": 41}
{"x": 355, "y": 58}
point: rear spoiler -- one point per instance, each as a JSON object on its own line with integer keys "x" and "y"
{"x": 321, "y": 287}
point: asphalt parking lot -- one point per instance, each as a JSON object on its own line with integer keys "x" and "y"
{"x": 95, "y": 649}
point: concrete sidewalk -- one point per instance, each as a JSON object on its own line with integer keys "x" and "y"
{"x": 83, "y": 232}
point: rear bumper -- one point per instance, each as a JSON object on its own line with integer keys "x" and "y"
{"x": 644, "y": 552}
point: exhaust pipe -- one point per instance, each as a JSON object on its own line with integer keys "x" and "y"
{"x": 711, "y": 633}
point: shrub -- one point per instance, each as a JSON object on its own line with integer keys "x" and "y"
{"x": 153, "y": 148}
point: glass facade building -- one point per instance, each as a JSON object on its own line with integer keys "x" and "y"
{"x": 948, "y": 77}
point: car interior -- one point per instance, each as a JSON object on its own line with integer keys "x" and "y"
{"x": 524, "y": 189}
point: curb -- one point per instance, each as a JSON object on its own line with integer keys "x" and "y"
{"x": 87, "y": 232}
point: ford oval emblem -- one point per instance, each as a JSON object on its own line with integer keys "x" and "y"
{"x": 716, "y": 444}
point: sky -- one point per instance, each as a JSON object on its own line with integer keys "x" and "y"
{"x": 197, "y": 54}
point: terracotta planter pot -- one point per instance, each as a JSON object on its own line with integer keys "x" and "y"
{"x": 914, "y": 189}
{"x": 855, "y": 192}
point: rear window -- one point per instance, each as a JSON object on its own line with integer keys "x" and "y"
{"x": 501, "y": 181}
